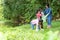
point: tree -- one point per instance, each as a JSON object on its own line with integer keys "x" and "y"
{"x": 23, "y": 11}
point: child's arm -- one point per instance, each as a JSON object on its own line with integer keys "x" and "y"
{"x": 42, "y": 14}
{"x": 47, "y": 15}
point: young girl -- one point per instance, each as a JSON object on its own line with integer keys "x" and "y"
{"x": 37, "y": 21}
{"x": 39, "y": 16}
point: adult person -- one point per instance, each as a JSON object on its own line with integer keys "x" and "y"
{"x": 49, "y": 17}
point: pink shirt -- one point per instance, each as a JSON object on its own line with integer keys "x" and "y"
{"x": 38, "y": 15}
{"x": 35, "y": 21}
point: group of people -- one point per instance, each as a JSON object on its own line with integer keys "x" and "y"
{"x": 47, "y": 14}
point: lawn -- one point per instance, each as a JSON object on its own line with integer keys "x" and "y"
{"x": 24, "y": 32}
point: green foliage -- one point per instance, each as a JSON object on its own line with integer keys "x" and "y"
{"x": 23, "y": 11}
{"x": 1, "y": 10}
{"x": 20, "y": 11}
{"x": 55, "y": 6}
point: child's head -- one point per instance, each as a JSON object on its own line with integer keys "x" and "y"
{"x": 39, "y": 13}
{"x": 39, "y": 10}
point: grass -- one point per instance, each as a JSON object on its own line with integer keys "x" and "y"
{"x": 24, "y": 32}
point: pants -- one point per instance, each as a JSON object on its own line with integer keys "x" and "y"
{"x": 32, "y": 26}
{"x": 49, "y": 19}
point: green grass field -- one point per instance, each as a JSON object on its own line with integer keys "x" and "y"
{"x": 24, "y": 32}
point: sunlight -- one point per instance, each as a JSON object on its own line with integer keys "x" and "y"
{"x": 2, "y": 37}
{"x": 52, "y": 35}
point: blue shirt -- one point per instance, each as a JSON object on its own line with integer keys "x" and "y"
{"x": 48, "y": 10}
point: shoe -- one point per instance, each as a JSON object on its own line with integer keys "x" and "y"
{"x": 37, "y": 30}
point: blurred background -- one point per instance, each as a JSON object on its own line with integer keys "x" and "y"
{"x": 20, "y": 12}
{"x": 15, "y": 13}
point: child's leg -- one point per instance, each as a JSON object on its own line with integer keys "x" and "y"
{"x": 32, "y": 25}
{"x": 42, "y": 24}
{"x": 39, "y": 24}
{"x": 37, "y": 27}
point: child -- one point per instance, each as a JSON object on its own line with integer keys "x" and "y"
{"x": 34, "y": 22}
{"x": 38, "y": 20}
{"x": 39, "y": 16}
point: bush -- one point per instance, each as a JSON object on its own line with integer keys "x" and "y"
{"x": 20, "y": 11}
{"x": 23, "y": 11}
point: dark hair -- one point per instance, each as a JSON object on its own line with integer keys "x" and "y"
{"x": 47, "y": 5}
{"x": 39, "y": 9}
